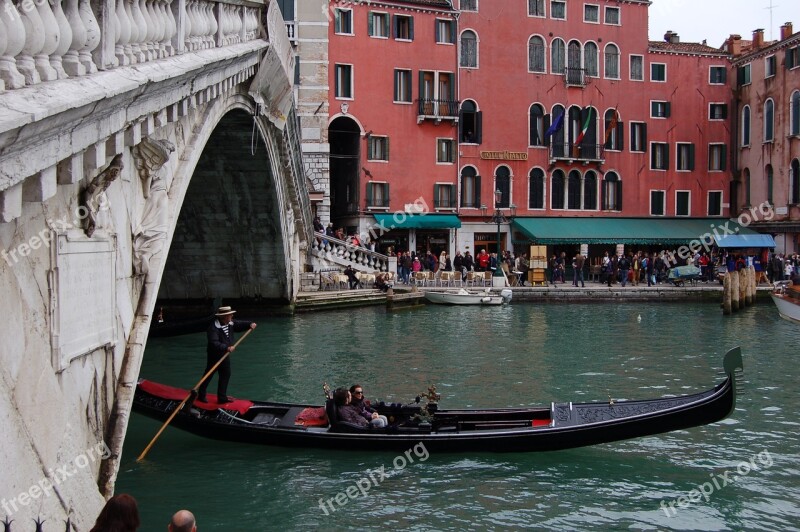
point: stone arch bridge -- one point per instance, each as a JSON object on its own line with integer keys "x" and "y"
{"x": 146, "y": 146}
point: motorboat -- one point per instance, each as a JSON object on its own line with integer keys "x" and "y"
{"x": 787, "y": 298}
{"x": 466, "y": 297}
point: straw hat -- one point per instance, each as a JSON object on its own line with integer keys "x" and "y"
{"x": 224, "y": 311}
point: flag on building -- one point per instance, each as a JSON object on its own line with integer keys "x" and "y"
{"x": 555, "y": 126}
{"x": 612, "y": 125}
{"x": 585, "y": 127}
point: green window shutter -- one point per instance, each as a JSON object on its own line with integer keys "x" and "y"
{"x": 478, "y": 127}
{"x": 436, "y": 30}
{"x": 452, "y": 196}
{"x": 452, "y": 24}
{"x": 436, "y": 197}
{"x": 619, "y": 194}
{"x": 371, "y": 23}
{"x": 370, "y": 198}
{"x": 386, "y": 198}
{"x": 723, "y": 157}
{"x": 788, "y": 60}
{"x": 336, "y": 72}
{"x": 667, "y": 109}
{"x": 725, "y": 111}
{"x": 395, "y": 24}
{"x": 337, "y": 21}
{"x": 644, "y": 135}
{"x": 620, "y": 135}
{"x": 387, "y": 148}
{"x": 653, "y": 108}
{"x": 386, "y": 24}
{"x": 691, "y": 157}
{"x": 477, "y": 191}
{"x": 396, "y": 85}
{"x": 411, "y": 28}
{"x": 545, "y": 127}
{"x": 666, "y": 158}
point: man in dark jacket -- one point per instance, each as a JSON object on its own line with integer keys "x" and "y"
{"x": 220, "y": 343}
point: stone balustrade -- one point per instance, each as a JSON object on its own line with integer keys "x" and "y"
{"x": 326, "y": 246}
{"x": 46, "y": 40}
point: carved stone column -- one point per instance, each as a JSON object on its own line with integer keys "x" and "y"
{"x": 149, "y": 237}
{"x": 15, "y": 41}
{"x": 64, "y": 39}
{"x": 52, "y": 34}
{"x": 34, "y": 42}
{"x": 92, "y": 36}
{"x": 72, "y": 62}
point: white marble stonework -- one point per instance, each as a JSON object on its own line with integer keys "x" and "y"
{"x": 84, "y": 84}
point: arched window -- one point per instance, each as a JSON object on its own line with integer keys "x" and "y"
{"x": 590, "y": 191}
{"x": 536, "y": 189}
{"x": 557, "y": 192}
{"x": 557, "y": 139}
{"x": 557, "y": 56}
{"x": 536, "y": 117}
{"x": 574, "y": 55}
{"x": 469, "y": 123}
{"x": 769, "y": 121}
{"x": 795, "y": 182}
{"x": 590, "y": 59}
{"x": 770, "y": 184}
{"x": 469, "y": 49}
{"x": 574, "y": 190}
{"x": 470, "y": 188}
{"x": 746, "y": 125}
{"x": 502, "y": 182}
{"x": 574, "y": 123}
{"x": 612, "y": 61}
{"x": 612, "y": 192}
{"x": 536, "y": 55}
{"x": 613, "y": 130}
{"x": 794, "y": 128}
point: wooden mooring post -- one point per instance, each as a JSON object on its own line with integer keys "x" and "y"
{"x": 738, "y": 290}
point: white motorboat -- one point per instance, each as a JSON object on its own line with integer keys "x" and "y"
{"x": 465, "y": 297}
{"x": 787, "y": 298}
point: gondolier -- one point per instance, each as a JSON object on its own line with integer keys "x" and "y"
{"x": 220, "y": 341}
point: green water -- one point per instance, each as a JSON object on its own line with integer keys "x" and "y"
{"x": 524, "y": 354}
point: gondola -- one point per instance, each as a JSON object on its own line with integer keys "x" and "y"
{"x": 559, "y": 426}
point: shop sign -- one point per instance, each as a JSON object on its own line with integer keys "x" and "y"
{"x": 504, "y": 155}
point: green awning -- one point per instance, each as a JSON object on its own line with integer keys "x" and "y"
{"x": 402, "y": 220}
{"x": 674, "y": 231}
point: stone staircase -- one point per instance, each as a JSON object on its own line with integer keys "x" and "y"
{"x": 328, "y": 253}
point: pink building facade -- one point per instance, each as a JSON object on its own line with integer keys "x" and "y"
{"x": 767, "y": 134}
{"x": 526, "y": 108}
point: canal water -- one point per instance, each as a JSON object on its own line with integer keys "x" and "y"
{"x": 748, "y": 466}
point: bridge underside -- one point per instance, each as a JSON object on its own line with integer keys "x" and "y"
{"x": 227, "y": 241}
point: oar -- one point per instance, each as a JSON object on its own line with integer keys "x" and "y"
{"x": 192, "y": 392}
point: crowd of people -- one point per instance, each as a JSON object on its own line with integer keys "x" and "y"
{"x": 121, "y": 514}
{"x": 410, "y": 262}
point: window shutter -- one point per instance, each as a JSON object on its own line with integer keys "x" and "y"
{"x": 725, "y": 111}
{"x": 477, "y": 191}
{"x": 297, "y": 70}
{"x": 370, "y": 197}
{"x": 460, "y": 125}
{"x": 396, "y": 83}
{"x": 371, "y": 23}
{"x": 619, "y": 194}
{"x": 387, "y": 148}
{"x": 644, "y": 135}
{"x": 478, "y": 127}
{"x": 740, "y": 75}
{"x": 667, "y": 109}
{"x": 723, "y": 156}
{"x": 545, "y": 127}
{"x": 691, "y": 156}
{"x": 386, "y": 195}
{"x": 620, "y": 135}
{"x": 666, "y": 158}
{"x": 395, "y": 24}
{"x": 436, "y": 29}
{"x": 653, "y": 108}
{"x": 452, "y": 31}
{"x": 337, "y": 73}
{"x": 436, "y": 198}
{"x": 463, "y": 195}
{"x": 452, "y": 204}
{"x": 337, "y": 21}
{"x": 386, "y": 24}
{"x": 787, "y": 62}
{"x": 603, "y": 194}
{"x": 411, "y": 28}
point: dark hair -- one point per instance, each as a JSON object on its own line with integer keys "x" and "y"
{"x": 120, "y": 514}
{"x": 353, "y": 387}
{"x": 340, "y": 396}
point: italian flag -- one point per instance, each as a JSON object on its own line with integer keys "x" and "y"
{"x": 585, "y": 127}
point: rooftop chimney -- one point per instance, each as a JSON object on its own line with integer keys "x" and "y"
{"x": 786, "y": 31}
{"x": 758, "y": 39}
{"x": 671, "y": 37}
{"x": 734, "y": 43}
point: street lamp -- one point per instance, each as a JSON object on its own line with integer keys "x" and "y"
{"x": 499, "y": 218}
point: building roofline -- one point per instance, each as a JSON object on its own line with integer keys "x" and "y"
{"x": 789, "y": 42}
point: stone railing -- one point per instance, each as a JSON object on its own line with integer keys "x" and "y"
{"x": 45, "y": 40}
{"x": 328, "y": 246}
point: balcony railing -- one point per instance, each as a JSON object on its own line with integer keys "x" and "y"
{"x": 377, "y": 203}
{"x": 437, "y": 110}
{"x": 568, "y": 151}
{"x": 575, "y": 77}
{"x": 444, "y": 203}
{"x": 291, "y": 31}
{"x": 76, "y": 37}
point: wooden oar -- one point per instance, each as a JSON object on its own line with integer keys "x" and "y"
{"x": 191, "y": 393}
